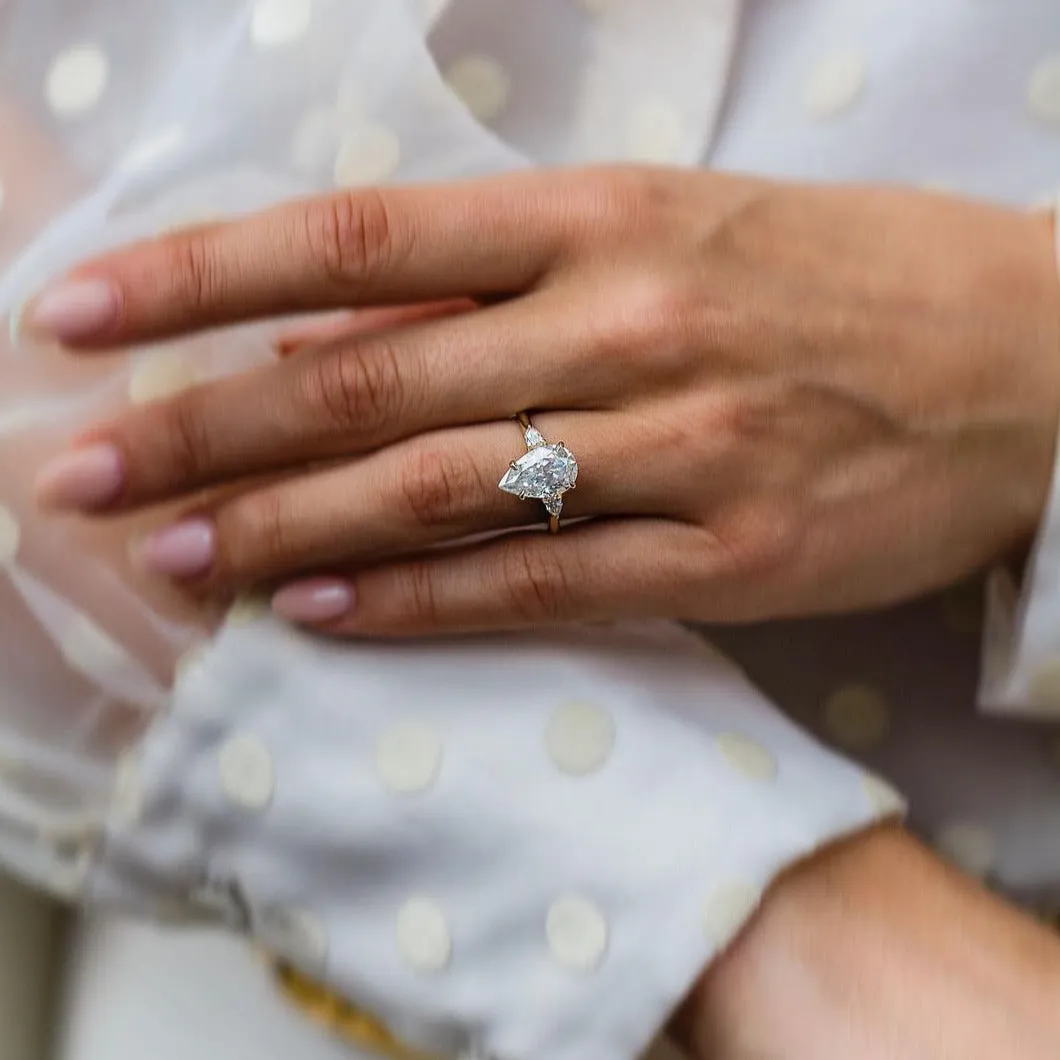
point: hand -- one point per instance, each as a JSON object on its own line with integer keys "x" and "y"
{"x": 874, "y": 949}
{"x": 784, "y": 400}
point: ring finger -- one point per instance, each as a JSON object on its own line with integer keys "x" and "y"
{"x": 345, "y": 398}
{"x": 432, "y": 490}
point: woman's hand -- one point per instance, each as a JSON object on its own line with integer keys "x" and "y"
{"x": 783, "y": 399}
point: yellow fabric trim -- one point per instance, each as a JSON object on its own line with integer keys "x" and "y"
{"x": 342, "y": 1018}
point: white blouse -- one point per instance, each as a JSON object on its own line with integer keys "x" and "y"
{"x": 517, "y": 846}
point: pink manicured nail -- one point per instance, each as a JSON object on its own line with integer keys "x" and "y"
{"x": 312, "y": 602}
{"x": 182, "y": 550}
{"x": 83, "y": 480}
{"x": 74, "y": 311}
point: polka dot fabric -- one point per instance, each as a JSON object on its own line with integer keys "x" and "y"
{"x": 120, "y": 122}
{"x": 619, "y": 797}
{"x": 443, "y": 833}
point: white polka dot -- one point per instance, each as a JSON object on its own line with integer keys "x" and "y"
{"x": 275, "y": 23}
{"x": 295, "y": 934}
{"x": 247, "y": 772}
{"x": 857, "y": 717}
{"x": 368, "y": 154}
{"x": 579, "y": 738}
{"x": 750, "y": 758}
{"x": 728, "y": 909}
{"x": 969, "y": 846}
{"x": 408, "y": 757}
{"x": 423, "y": 935}
{"x": 482, "y": 83}
{"x": 1043, "y": 91}
{"x": 90, "y": 649}
{"x": 656, "y": 132}
{"x": 160, "y": 375}
{"x": 77, "y": 79}
{"x": 247, "y": 610}
{"x": 1045, "y": 687}
{"x": 834, "y": 84}
{"x": 882, "y": 797}
{"x": 576, "y": 930}
{"x": 128, "y": 796}
{"x": 10, "y": 536}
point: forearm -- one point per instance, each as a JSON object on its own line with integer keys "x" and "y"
{"x": 876, "y": 951}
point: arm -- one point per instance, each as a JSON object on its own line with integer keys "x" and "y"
{"x": 876, "y": 950}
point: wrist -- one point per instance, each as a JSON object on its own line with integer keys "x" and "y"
{"x": 874, "y": 949}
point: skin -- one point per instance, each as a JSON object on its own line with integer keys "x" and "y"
{"x": 875, "y": 950}
{"x": 784, "y": 399}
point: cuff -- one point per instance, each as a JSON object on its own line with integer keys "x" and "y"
{"x": 1021, "y": 635}
{"x": 509, "y": 847}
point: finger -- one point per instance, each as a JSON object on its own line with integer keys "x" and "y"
{"x": 595, "y": 572}
{"x": 351, "y": 248}
{"x": 336, "y": 401}
{"x": 433, "y": 490}
{"x": 349, "y": 325}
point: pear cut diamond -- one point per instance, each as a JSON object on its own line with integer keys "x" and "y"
{"x": 544, "y": 473}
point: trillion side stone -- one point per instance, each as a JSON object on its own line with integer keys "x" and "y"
{"x": 544, "y": 473}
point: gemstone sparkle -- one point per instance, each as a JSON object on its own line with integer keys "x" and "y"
{"x": 544, "y": 473}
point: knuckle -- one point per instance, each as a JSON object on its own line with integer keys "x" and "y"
{"x": 761, "y": 544}
{"x": 255, "y": 534}
{"x": 736, "y": 424}
{"x": 417, "y": 592}
{"x": 439, "y": 487}
{"x": 652, "y": 318}
{"x": 639, "y": 197}
{"x": 352, "y": 235}
{"x": 661, "y": 304}
{"x": 535, "y": 588}
{"x": 359, "y": 388}
{"x": 193, "y": 267}
{"x": 189, "y": 441}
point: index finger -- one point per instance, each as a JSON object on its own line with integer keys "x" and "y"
{"x": 364, "y": 247}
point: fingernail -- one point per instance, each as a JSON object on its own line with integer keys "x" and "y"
{"x": 82, "y": 480}
{"x": 311, "y": 602}
{"x": 74, "y": 311}
{"x": 182, "y": 550}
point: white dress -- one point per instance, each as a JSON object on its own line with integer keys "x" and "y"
{"x": 516, "y": 847}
